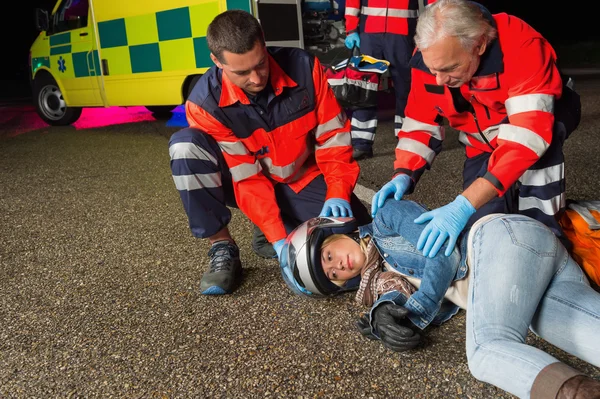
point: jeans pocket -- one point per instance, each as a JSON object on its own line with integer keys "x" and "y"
{"x": 532, "y": 235}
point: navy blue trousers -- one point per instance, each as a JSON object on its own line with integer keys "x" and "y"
{"x": 397, "y": 49}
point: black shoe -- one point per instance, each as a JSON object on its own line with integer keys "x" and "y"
{"x": 224, "y": 269}
{"x": 358, "y": 153}
{"x": 261, "y": 246}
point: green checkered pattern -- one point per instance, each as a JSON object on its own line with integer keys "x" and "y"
{"x": 68, "y": 59}
{"x": 162, "y": 41}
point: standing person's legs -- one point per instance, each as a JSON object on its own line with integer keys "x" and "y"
{"x": 297, "y": 208}
{"x": 398, "y": 51}
{"x": 512, "y": 260}
{"x": 204, "y": 184}
{"x": 364, "y": 120}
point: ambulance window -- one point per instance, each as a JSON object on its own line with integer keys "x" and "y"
{"x": 72, "y": 14}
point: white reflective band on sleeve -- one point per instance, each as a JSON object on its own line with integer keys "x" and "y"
{"x": 416, "y": 147}
{"x": 412, "y": 125}
{"x": 353, "y": 12}
{"x": 337, "y": 122}
{"x": 549, "y": 207}
{"x": 190, "y": 151}
{"x": 530, "y": 102}
{"x": 360, "y": 83}
{"x": 541, "y": 177}
{"x": 197, "y": 181}
{"x": 525, "y": 137}
{"x": 341, "y": 139}
{"x": 364, "y": 125}
{"x": 245, "y": 170}
{"x": 464, "y": 138}
{"x": 398, "y": 119}
{"x": 403, "y": 13}
{"x": 359, "y": 134}
{"x": 233, "y": 147}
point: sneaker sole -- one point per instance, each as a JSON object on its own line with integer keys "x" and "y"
{"x": 214, "y": 290}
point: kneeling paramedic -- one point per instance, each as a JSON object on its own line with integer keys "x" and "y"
{"x": 266, "y": 135}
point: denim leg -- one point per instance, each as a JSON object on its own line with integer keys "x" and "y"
{"x": 513, "y": 259}
{"x": 569, "y": 315}
{"x": 203, "y": 181}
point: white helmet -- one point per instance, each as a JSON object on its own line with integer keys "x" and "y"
{"x": 301, "y": 256}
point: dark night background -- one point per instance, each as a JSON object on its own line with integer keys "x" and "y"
{"x": 563, "y": 26}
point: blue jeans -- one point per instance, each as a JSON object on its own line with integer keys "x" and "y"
{"x": 523, "y": 278}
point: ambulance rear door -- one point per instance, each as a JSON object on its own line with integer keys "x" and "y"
{"x": 281, "y": 21}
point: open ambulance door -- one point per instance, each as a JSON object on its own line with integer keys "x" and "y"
{"x": 281, "y": 21}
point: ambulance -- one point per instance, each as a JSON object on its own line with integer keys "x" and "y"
{"x": 104, "y": 53}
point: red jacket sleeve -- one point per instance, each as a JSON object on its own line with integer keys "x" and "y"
{"x": 352, "y": 15}
{"x": 333, "y": 149}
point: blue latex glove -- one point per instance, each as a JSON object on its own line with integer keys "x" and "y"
{"x": 396, "y": 187}
{"x": 446, "y": 223}
{"x": 352, "y": 40}
{"x": 278, "y": 246}
{"x": 336, "y": 207}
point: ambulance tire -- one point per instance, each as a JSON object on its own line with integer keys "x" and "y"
{"x": 50, "y": 104}
{"x": 161, "y": 111}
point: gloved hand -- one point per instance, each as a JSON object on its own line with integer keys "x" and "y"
{"x": 446, "y": 223}
{"x": 397, "y": 186}
{"x": 336, "y": 207}
{"x": 352, "y": 40}
{"x": 393, "y": 327}
{"x": 278, "y": 246}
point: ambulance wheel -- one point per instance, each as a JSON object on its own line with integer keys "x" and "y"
{"x": 50, "y": 104}
{"x": 160, "y": 111}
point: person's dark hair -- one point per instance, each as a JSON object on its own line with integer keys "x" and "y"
{"x": 235, "y": 31}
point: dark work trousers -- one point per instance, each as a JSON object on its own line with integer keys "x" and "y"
{"x": 397, "y": 49}
{"x": 205, "y": 186}
{"x": 539, "y": 193}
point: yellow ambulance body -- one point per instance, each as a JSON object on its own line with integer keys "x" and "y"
{"x": 102, "y": 53}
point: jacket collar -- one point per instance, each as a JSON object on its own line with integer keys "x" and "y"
{"x": 230, "y": 93}
{"x": 490, "y": 62}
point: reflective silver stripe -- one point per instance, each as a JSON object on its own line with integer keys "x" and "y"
{"x": 523, "y": 136}
{"x": 360, "y": 83}
{"x": 233, "y": 147}
{"x": 336, "y": 122}
{"x": 490, "y": 133}
{"x": 245, "y": 170}
{"x": 542, "y": 177}
{"x": 530, "y": 102}
{"x": 396, "y": 131}
{"x": 197, "y": 181}
{"x": 352, "y": 11}
{"x": 190, "y": 151}
{"x": 412, "y": 125}
{"x": 364, "y": 125}
{"x": 286, "y": 171}
{"x": 341, "y": 139}
{"x": 549, "y": 207}
{"x": 416, "y": 147}
{"x": 398, "y": 119}
{"x": 373, "y": 11}
{"x": 359, "y": 134}
{"x": 403, "y": 13}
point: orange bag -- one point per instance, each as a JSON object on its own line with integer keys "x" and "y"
{"x": 581, "y": 225}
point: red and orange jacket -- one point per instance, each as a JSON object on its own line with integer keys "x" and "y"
{"x": 302, "y": 133}
{"x": 506, "y": 109}
{"x": 382, "y": 16}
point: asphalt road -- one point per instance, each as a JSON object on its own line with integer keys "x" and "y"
{"x": 99, "y": 277}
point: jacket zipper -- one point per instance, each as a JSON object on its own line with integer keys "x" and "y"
{"x": 477, "y": 124}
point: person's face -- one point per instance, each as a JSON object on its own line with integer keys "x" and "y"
{"x": 451, "y": 64}
{"x": 342, "y": 259}
{"x": 248, "y": 71}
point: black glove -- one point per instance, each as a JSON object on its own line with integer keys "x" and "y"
{"x": 393, "y": 327}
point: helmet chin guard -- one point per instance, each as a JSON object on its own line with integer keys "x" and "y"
{"x": 301, "y": 256}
